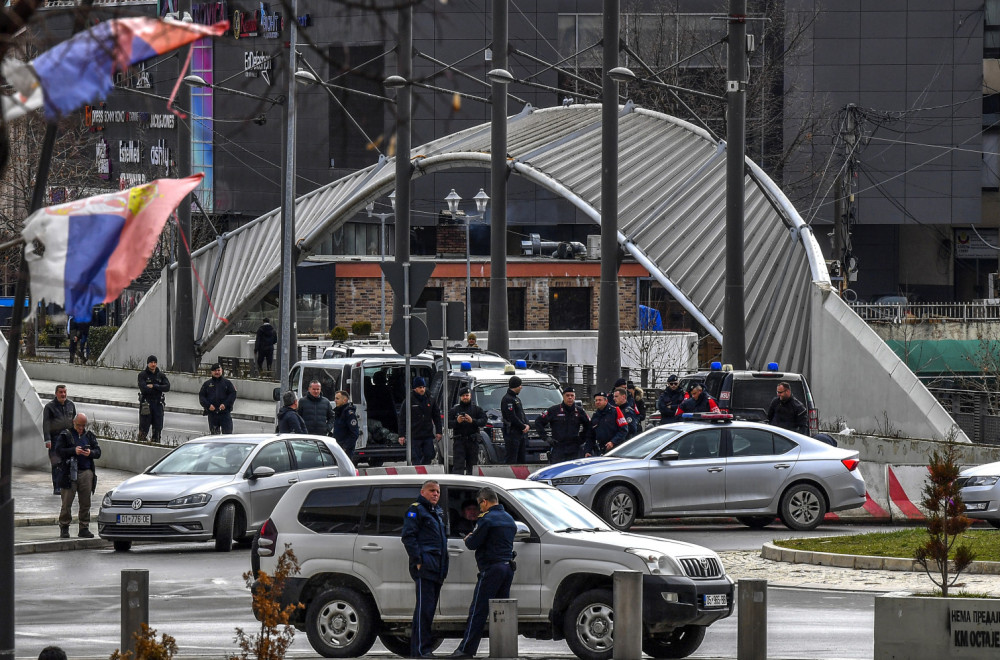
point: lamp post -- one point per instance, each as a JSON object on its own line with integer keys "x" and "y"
{"x": 381, "y": 244}
{"x": 482, "y": 199}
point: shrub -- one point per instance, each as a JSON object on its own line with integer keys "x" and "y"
{"x": 361, "y": 328}
{"x": 339, "y": 334}
{"x": 275, "y": 635}
{"x": 147, "y": 648}
{"x": 98, "y": 339}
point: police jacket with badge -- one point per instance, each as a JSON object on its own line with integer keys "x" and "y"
{"x": 668, "y": 402}
{"x": 631, "y": 419}
{"x": 426, "y": 540}
{"x": 605, "y": 427}
{"x": 570, "y": 424}
{"x": 426, "y": 417}
{"x": 345, "y": 423}
{"x": 466, "y": 429}
{"x": 514, "y": 420}
{"x": 704, "y": 403}
{"x": 159, "y": 382}
{"x": 217, "y": 392}
{"x": 72, "y": 463}
{"x": 493, "y": 537}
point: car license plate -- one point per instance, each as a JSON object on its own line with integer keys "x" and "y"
{"x": 135, "y": 519}
{"x": 716, "y": 600}
{"x": 543, "y": 456}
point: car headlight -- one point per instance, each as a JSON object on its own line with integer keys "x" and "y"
{"x": 980, "y": 481}
{"x": 106, "y": 502}
{"x": 189, "y": 501}
{"x": 570, "y": 481}
{"x": 657, "y": 563}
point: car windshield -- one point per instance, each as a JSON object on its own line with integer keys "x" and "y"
{"x": 557, "y": 511}
{"x": 643, "y": 444}
{"x": 205, "y": 458}
{"x": 534, "y": 396}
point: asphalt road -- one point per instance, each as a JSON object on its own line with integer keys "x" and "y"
{"x": 199, "y": 597}
{"x": 179, "y": 426}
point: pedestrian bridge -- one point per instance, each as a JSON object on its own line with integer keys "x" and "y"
{"x": 671, "y": 219}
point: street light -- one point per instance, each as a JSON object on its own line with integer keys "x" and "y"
{"x": 482, "y": 199}
{"x": 370, "y": 207}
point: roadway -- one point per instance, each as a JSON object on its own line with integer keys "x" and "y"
{"x": 177, "y": 427}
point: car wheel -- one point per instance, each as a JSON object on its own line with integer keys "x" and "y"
{"x": 482, "y": 454}
{"x": 678, "y": 643}
{"x": 756, "y": 522}
{"x": 225, "y": 520}
{"x": 995, "y": 523}
{"x": 589, "y": 625}
{"x": 340, "y": 623}
{"x": 802, "y": 508}
{"x": 400, "y": 644}
{"x": 122, "y": 546}
{"x": 618, "y": 506}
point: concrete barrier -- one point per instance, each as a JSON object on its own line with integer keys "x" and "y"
{"x": 129, "y": 456}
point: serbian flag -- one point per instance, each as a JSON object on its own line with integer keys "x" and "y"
{"x": 81, "y": 70}
{"x": 84, "y": 253}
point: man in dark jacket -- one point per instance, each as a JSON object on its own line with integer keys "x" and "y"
{"x": 493, "y": 541}
{"x": 466, "y": 418}
{"x": 316, "y": 411}
{"x": 345, "y": 423}
{"x": 697, "y": 400}
{"x": 425, "y": 424}
{"x": 288, "y": 419}
{"x": 570, "y": 428}
{"x": 608, "y": 427}
{"x": 787, "y": 412}
{"x": 78, "y": 449}
{"x": 263, "y": 344}
{"x": 669, "y": 400}
{"x": 57, "y": 416}
{"x": 153, "y": 384}
{"x": 426, "y": 543}
{"x": 628, "y": 412}
{"x": 217, "y": 396}
{"x": 515, "y": 424}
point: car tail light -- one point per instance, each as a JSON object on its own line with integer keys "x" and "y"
{"x": 813, "y": 420}
{"x": 268, "y": 537}
{"x": 850, "y": 463}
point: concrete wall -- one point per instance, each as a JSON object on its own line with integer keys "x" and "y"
{"x": 129, "y": 456}
{"x": 934, "y": 330}
{"x": 906, "y": 451}
{"x": 29, "y": 447}
{"x": 856, "y": 376}
{"x": 143, "y": 333}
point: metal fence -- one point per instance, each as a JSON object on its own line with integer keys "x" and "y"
{"x": 944, "y": 311}
{"x": 976, "y": 412}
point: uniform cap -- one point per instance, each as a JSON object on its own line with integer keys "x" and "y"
{"x": 630, "y": 385}
{"x": 620, "y": 382}
{"x": 515, "y": 381}
{"x": 215, "y": 365}
{"x": 672, "y": 379}
{"x": 604, "y": 394}
{"x": 567, "y": 390}
{"x": 464, "y": 390}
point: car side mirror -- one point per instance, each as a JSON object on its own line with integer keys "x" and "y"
{"x": 523, "y": 533}
{"x": 262, "y": 472}
{"x": 276, "y": 394}
{"x": 667, "y": 455}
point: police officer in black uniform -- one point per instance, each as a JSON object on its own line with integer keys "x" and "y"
{"x": 669, "y": 400}
{"x": 608, "y": 427}
{"x": 345, "y": 423}
{"x": 493, "y": 541}
{"x": 628, "y": 412}
{"x": 217, "y": 396}
{"x": 466, "y": 418}
{"x": 426, "y": 543}
{"x": 153, "y": 384}
{"x": 570, "y": 428}
{"x": 426, "y": 424}
{"x": 515, "y": 424}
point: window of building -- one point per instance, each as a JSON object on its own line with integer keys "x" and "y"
{"x": 202, "y": 138}
{"x": 313, "y": 313}
{"x": 362, "y": 238}
{"x": 569, "y": 308}
{"x": 355, "y": 120}
{"x": 481, "y": 308}
{"x": 430, "y": 293}
{"x": 991, "y": 30}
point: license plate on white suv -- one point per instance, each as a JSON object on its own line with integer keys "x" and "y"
{"x": 135, "y": 519}
{"x": 716, "y": 600}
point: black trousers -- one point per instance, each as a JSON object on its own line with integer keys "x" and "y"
{"x": 466, "y": 453}
{"x": 347, "y": 446}
{"x": 423, "y": 452}
{"x": 220, "y": 422}
{"x": 515, "y": 444}
{"x": 423, "y": 617}
{"x": 266, "y": 355}
{"x": 564, "y": 451}
{"x": 492, "y": 582}
{"x": 154, "y": 419}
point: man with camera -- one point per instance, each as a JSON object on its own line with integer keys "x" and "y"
{"x": 466, "y": 418}
{"x": 78, "y": 449}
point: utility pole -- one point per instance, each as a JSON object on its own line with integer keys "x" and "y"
{"x": 287, "y": 350}
{"x": 182, "y": 337}
{"x": 733, "y": 333}
{"x": 498, "y": 327}
{"x": 609, "y": 360}
{"x": 401, "y": 303}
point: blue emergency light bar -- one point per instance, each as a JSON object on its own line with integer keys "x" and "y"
{"x": 707, "y": 417}
{"x": 716, "y": 366}
{"x": 521, "y": 364}
{"x": 466, "y": 366}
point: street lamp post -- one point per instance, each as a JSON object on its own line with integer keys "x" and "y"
{"x": 381, "y": 244}
{"x": 482, "y": 199}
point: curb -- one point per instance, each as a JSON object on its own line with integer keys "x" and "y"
{"x": 174, "y": 409}
{"x": 862, "y": 562}
{"x": 36, "y": 522}
{"x": 32, "y": 547}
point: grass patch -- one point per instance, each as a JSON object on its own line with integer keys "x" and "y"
{"x": 902, "y": 543}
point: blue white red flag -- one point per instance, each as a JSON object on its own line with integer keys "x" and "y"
{"x": 85, "y": 252}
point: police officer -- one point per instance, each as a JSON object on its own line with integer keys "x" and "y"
{"x": 153, "y": 384}
{"x": 217, "y": 397}
{"x": 570, "y": 428}
{"x": 697, "y": 400}
{"x": 608, "y": 427}
{"x": 669, "y": 400}
{"x": 787, "y": 412}
{"x": 426, "y": 543}
{"x": 466, "y": 418}
{"x": 345, "y": 423}
{"x": 493, "y": 540}
{"x": 426, "y": 424}
{"x": 515, "y": 424}
{"x": 628, "y": 412}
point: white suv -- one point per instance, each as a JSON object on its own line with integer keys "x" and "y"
{"x": 355, "y": 583}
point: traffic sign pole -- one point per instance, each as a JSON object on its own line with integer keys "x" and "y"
{"x": 406, "y": 359}
{"x": 444, "y": 389}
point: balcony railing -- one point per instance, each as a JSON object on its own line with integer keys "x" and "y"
{"x": 963, "y": 312}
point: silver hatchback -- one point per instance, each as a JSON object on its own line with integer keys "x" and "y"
{"x": 749, "y": 471}
{"x": 218, "y": 487}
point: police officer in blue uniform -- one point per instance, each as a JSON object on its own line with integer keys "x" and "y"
{"x": 493, "y": 540}
{"x": 570, "y": 428}
{"x": 426, "y": 543}
{"x": 608, "y": 427}
{"x": 345, "y": 423}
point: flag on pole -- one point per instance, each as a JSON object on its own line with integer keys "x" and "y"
{"x": 81, "y": 70}
{"x": 83, "y": 253}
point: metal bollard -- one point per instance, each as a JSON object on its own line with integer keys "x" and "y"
{"x": 751, "y": 643}
{"x": 135, "y": 606}
{"x": 503, "y": 627}
{"x": 627, "y": 606}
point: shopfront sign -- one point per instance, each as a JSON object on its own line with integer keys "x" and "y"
{"x": 257, "y": 63}
{"x": 98, "y": 116}
{"x": 260, "y": 22}
{"x": 159, "y": 156}
{"x": 976, "y": 244}
{"x": 103, "y": 159}
{"x": 209, "y": 13}
{"x": 129, "y": 151}
{"x": 131, "y": 180}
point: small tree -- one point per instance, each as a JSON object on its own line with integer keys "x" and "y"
{"x": 275, "y": 635}
{"x": 946, "y": 521}
{"x": 147, "y": 648}
{"x": 339, "y": 333}
{"x": 361, "y": 328}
